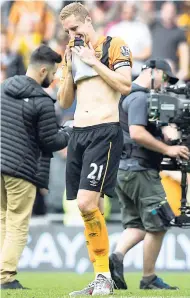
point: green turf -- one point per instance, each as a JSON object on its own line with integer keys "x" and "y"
{"x": 58, "y": 285}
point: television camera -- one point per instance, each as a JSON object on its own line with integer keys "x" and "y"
{"x": 172, "y": 106}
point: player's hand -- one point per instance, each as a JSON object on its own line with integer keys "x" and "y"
{"x": 86, "y": 54}
{"x": 178, "y": 151}
{"x": 68, "y": 55}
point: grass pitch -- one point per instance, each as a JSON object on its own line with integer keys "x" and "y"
{"x": 59, "y": 285}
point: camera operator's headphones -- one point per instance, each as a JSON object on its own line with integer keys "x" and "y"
{"x": 163, "y": 65}
{"x": 152, "y": 65}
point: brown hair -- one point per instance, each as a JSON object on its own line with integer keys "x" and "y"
{"x": 76, "y": 9}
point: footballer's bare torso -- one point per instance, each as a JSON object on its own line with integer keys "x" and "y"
{"x": 97, "y": 103}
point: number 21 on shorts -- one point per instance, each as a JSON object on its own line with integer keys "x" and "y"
{"x": 96, "y": 173}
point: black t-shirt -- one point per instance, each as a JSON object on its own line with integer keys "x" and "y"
{"x": 165, "y": 42}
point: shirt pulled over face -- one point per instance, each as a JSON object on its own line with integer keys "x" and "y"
{"x": 118, "y": 55}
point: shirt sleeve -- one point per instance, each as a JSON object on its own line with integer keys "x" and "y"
{"x": 137, "y": 109}
{"x": 119, "y": 54}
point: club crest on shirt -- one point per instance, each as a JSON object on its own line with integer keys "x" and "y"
{"x": 125, "y": 51}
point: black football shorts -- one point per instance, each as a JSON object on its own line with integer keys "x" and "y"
{"x": 93, "y": 159}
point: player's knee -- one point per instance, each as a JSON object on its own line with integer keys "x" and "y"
{"x": 87, "y": 201}
{"x": 82, "y": 206}
{"x": 85, "y": 205}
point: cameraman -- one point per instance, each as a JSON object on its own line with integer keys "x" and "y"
{"x": 139, "y": 186}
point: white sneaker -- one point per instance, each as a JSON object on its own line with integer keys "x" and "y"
{"x": 103, "y": 286}
{"x": 85, "y": 292}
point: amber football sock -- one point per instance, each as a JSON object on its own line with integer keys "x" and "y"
{"x": 90, "y": 251}
{"x": 97, "y": 237}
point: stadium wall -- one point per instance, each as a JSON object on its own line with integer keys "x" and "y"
{"x": 55, "y": 247}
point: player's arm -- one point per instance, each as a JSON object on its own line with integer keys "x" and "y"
{"x": 137, "y": 120}
{"x": 66, "y": 92}
{"x": 119, "y": 78}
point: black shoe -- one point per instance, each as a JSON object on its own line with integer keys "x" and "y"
{"x": 156, "y": 284}
{"x": 116, "y": 270}
{"x": 12, "y": 285}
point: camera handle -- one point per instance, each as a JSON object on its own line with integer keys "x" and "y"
{"x": 183, "y": 187}
{"x": 152, "y": 66}
{"x": 152, "y": 90}
{"x": 183, "y": 220}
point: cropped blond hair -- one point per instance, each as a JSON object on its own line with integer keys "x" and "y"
{"x": 76, "y": 9}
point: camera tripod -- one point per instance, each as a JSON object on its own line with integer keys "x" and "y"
{"x": 183, "y": 220}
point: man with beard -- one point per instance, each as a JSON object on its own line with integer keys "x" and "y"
{"x": 28, "y": 132}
